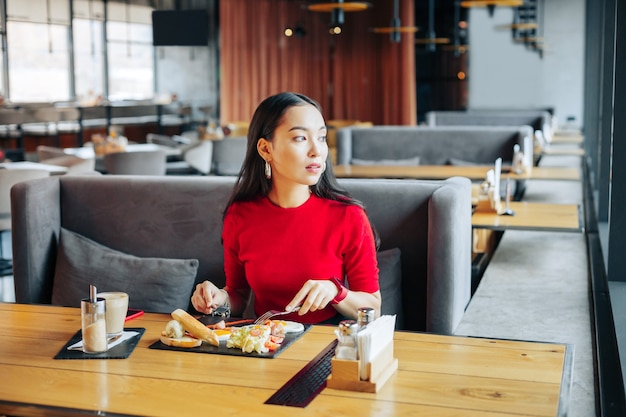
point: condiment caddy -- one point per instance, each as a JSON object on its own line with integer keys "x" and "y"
{"x": 374, "y": 363}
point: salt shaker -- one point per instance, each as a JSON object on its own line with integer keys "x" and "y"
{"x": 346, "y": 336}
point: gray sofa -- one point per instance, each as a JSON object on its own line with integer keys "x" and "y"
{"x": 180, "y": 218}
{"x": 431, "y": 145}
{"x": 537, "y": 119}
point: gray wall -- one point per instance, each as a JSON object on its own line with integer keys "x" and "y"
{"x": 191, "y": 72}
{"x": 503, "y": 73}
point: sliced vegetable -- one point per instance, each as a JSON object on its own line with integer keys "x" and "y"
{"x": 271, "y": 346}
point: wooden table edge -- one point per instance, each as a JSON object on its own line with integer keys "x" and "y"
{"x": 578, "y": 229}
{"x": 567, "y": 381}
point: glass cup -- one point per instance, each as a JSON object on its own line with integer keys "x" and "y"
{"x": 116, "y": 308}
{"x": 93, "y": 325}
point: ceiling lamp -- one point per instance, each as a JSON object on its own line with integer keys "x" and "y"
{"x": 298, "y": 31}
{"x": 491, "y": 4}
{"x": 395, "y": 29}
{"x": 337, "y": 9}
{"x": 459, "y": 26}
{"x": 485, "y": 3}
{"x": 392, "y": 29}
{"x": 431, "y": 40}
{"x": 519, "y": 26}
{"x": 528, "y": 39}
{"x": 461, "y": 49}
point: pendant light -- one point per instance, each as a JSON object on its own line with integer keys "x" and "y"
{"x": 395, "y": 29}
{"x": 432, "y": 40}
{"x": 337, "y": 10}
{"x": 458, "y": 25}
{"x": 491, "y": 4}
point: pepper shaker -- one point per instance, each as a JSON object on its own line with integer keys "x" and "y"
{"x": 346, "y": 336}
{"x": 365, "y": 315}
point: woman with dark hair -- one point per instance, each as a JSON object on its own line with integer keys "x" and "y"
{"x": 291, "y": 235}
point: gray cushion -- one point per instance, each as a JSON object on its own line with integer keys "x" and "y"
{"x": 408, "y": 161}
{"x": 390, "y": 281}
{"x": 153, "y": 284}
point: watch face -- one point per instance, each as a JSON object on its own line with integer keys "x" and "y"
{"x": 221, "y": 312}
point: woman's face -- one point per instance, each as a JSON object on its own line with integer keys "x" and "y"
{"x": 298, "y": 150}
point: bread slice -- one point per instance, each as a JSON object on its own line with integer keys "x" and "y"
{"x": 195, "y": 327}
{"x": 184, "y": 342}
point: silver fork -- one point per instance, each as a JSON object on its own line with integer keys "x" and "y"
{"x": 273, "y": 313}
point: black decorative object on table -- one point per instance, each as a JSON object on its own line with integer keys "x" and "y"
{"x": 120, "y": 351}
{"x": 300, "y": 390}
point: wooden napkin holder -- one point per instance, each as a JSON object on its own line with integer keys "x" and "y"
{"x": 488, "y": 205}
{"x": 345, "y": 373}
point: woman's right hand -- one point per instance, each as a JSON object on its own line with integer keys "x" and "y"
{"x": 207, "y": 297}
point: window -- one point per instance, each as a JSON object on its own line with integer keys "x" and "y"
{"x": 130, "y": 51}
{"x": 38, "y": 53}
{"x": 88, "y": 28}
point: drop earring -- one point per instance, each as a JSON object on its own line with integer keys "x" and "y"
{"x": 268, "y": 171}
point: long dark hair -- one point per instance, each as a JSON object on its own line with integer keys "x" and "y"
{"x": 252, "y": 182}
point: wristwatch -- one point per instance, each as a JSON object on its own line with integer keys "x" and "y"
{"x": 221, "y": 311}
{"x": 343, "y": 291}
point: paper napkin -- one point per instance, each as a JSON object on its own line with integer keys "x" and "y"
{"x": 125, "y": 336}
{"x": 372, "y": 340}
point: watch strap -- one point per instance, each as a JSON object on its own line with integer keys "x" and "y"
{"x": 342, "y": 291}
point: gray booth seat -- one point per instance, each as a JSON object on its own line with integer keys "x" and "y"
{"x": 431, "y": 145}
{"x": 428, "y": 223}
{"x": 537, "y": 119}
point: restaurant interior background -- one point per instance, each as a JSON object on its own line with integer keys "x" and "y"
{"x": 496, "y": 71}
{"x": 358, "y": 74}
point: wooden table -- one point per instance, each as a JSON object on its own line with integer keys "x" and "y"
{"x": 437, "y": 375}
{"x": 437, "y": 172}
{"x": 562, "y": 151}
{"x": 532, "y": 216}
{"x": 52, "y": 169}
{"x": 568, "y": 137}
{"x": 87, "y": 152}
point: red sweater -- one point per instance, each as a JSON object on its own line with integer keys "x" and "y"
{"x": 274, "y": 250}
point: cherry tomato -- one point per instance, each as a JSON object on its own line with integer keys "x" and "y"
{"x": 271, "y": 345}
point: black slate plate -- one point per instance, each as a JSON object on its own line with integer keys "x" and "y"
{"x": 223, "y": 350}
{"x": 121, "y": 351}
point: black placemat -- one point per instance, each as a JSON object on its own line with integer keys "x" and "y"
{"x": 223, "y": 350}
{"x": 121, "y": 351}
{"x": 300, "y": 390}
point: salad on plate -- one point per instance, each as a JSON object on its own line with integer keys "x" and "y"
{"x": 259, "y": 338}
